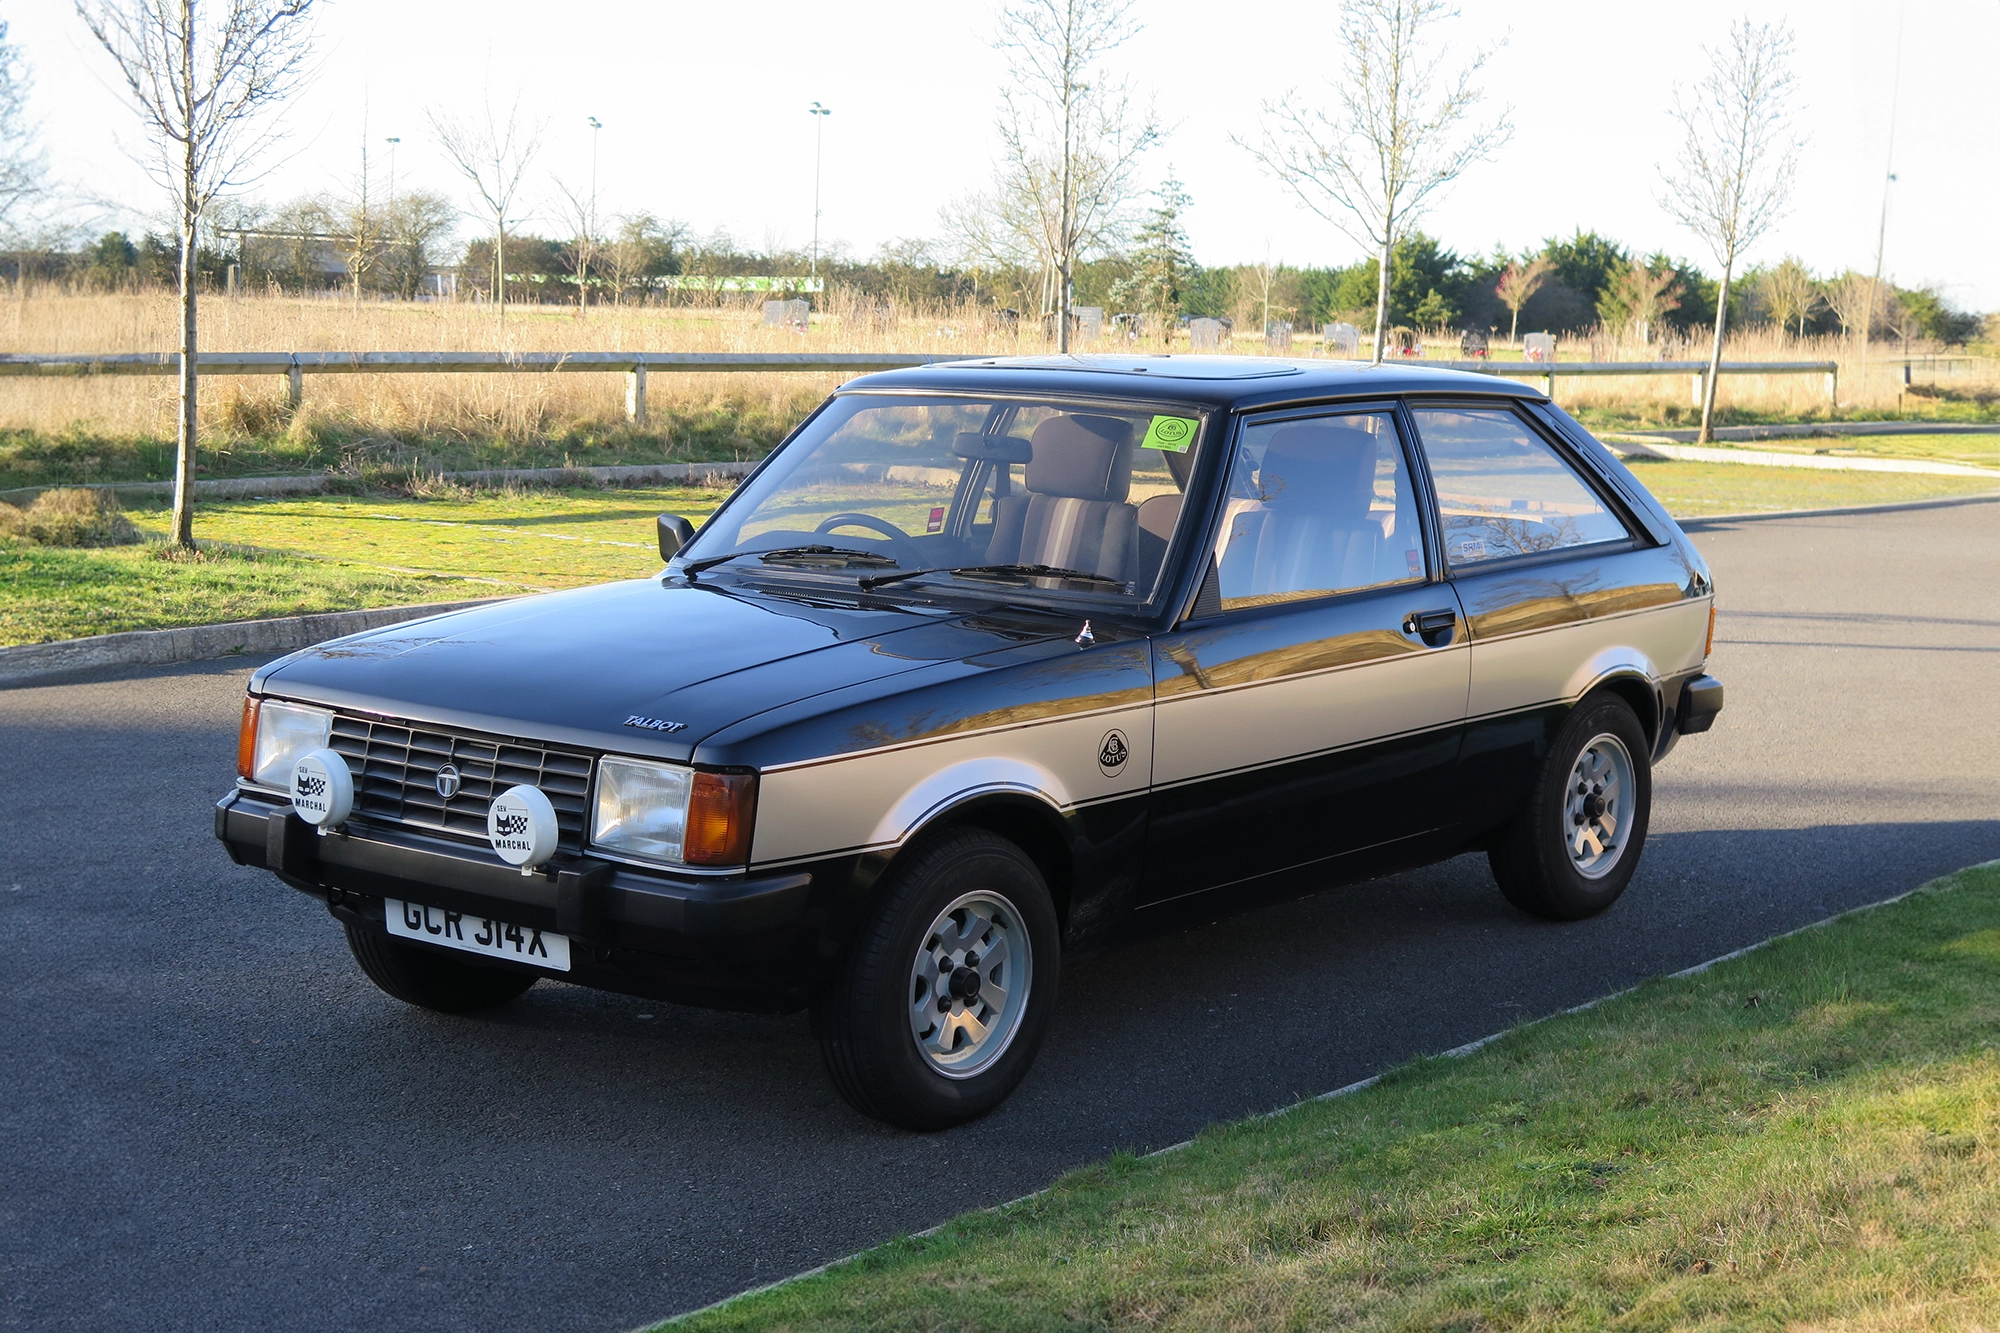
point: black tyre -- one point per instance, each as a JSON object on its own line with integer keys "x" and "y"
{"x": 431, "y": 978}
{"x": 1575, "y": 844}
{"x": 945, "y": 994}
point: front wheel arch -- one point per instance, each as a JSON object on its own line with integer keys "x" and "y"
{"x": 1032, "y": 825}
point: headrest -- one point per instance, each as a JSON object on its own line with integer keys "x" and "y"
{"x": 991, "y": 448}
{"x": 1330, "y": 469}
{"x": 1082, "y": 458}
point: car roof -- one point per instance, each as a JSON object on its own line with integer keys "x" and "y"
{"x": 1220, "y": 381}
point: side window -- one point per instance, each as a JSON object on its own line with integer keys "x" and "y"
{"x": 1502, "y": 491}
{"x": 1317, "y": 506}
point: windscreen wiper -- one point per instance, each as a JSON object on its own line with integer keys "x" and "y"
{"x": 801, "y": 555}
{"x": 1026, "y": 571}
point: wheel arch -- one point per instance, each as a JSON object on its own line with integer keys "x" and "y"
{"x": 1635, "y": 685}
{"x": 1027, "y": 821}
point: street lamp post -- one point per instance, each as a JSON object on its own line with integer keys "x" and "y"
{"x": 590, "y": 220}
{"x": 819, "y": 114}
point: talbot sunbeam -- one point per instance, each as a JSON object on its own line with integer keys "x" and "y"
{"x": 987, "y": 662}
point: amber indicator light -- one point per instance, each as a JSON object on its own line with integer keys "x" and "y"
{"x": 720, "y": 812}
{"x": 1708, "y": 644}
{"x": 246, "y": 742}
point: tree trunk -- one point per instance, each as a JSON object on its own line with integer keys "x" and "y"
{"x": 1514, "y": 325}
{"x": 183, "y": 534}
{"x": 500, "y": 270}
{"x": 1715, "y": 354}
{"x": 1382, "y": 299}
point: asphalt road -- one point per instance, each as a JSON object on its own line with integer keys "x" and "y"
{"x": 210, "y": 1120}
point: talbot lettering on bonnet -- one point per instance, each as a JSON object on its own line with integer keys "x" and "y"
{"x": 654, "y": 723}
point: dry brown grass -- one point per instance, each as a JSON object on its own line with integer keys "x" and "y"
{"x": 436, "y": 406}
{"x": 389, "y": 413}
{"x": 72, "y": 518}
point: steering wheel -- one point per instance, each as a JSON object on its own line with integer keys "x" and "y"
{"x": 908, "y": 553}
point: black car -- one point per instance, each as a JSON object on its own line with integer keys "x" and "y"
{"x": 986, "y": 661}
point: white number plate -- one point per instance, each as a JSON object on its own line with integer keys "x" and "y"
{"x": 478, "y": 934}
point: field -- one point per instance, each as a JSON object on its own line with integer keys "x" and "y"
{"x": 1807, "y": 1138}
{"x": 290, "y": 554}
{"x": 372, "y": 426}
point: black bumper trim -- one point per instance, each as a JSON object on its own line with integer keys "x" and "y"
{"x": 1701, "y": 700}
{"x": 583, "y": 896}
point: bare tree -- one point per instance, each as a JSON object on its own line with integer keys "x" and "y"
{"x": 494, "y": 157}
{"x": 23, "y": 164}
{"x": 414, "y": 227}
{"x": 1637, "y": 296}
{"x": 1856, "y": 302}
{"x": 578, "y": 210}
{"x": 361, "y": 227}
{"x": 1518, "y": 283}
{"x": 204, "y": 82}
{"x": 1070, "y": 135}
{"x": 1738, "y": 160}
{"x": 1395, "y": 137}
{"x": 1792, "y": 293}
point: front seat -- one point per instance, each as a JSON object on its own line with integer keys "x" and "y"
{"x": 1312, "y": 531}
{"x": 1074, "y": 514}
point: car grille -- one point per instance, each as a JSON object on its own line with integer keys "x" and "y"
{"x": 395, "y": 777}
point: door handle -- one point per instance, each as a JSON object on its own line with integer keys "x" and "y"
{"x": 1435, "y": 628}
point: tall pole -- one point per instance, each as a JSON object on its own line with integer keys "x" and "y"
{"x": 590, "y": 220}
{"x": 392, "y": 169}
{"x": 819, "y": 114}
{"x": 1889, "y": 178}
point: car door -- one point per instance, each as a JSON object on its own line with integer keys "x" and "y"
{"x": 1559, "y": 589}
{"x": 1309, "y": 710}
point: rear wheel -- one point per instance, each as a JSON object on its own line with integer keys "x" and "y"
{"x": 1575, "y": 844}
{"x": 430, "y": 978}
{"x": 943, "y": 999}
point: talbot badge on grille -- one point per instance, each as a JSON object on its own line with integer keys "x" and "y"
{"x": 449, "y": 781}
{"x": 654, "y": 724}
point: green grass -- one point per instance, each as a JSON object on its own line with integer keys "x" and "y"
{"x": 1805, "y": 1138}
{"x": 290, "y": 555}
{"x": 48, "y": 593}
{"x": 1691, "y": 490}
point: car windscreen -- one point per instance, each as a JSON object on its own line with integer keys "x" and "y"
{"x": 1009, "y": 495}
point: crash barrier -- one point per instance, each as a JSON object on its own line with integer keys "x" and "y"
{"x": 635, "y": 366}
{"x": 1697, "y": 371}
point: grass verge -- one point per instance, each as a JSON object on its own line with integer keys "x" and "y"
{"x": 1693, "y": 490}
{"x": 1803, "y": 1138}
{"x": 288, "y": 554}
{"x": 49, "y": 593}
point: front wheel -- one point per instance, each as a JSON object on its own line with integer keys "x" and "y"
{"x": 944, "y": 996}
{"x": 431, "y": 978}
{"x": 1575, "y": 844}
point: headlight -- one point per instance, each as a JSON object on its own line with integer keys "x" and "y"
{"x": 274, "y": 735}
{"x": 665, "y": 812}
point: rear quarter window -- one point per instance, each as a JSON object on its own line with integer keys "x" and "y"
{"x": 1503, "y": 491}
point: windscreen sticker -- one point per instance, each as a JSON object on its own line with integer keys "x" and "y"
{"x": 1173, "y": 434}
{"x": 936, "y": 523}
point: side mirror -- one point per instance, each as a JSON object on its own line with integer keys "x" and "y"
{"x": 675, "y": 532}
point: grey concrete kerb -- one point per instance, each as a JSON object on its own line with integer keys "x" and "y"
{"x": 28, "y": 663}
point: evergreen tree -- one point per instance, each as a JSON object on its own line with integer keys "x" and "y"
{"x": 1162, "y": 262}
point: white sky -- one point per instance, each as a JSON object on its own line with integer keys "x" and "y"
{"x": 704, "y": 112}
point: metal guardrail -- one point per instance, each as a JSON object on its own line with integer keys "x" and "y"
{"x": 636, "y": 366}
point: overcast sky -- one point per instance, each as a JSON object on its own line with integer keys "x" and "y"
{"x": 704, "y": 114}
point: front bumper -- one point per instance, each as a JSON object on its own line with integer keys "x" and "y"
{"x": 709, "y": 933}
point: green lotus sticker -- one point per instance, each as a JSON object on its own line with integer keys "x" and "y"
{"x": 1173, "y": 434}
